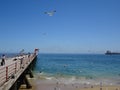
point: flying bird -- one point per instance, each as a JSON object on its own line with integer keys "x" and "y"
{"x": 50, "y": 13}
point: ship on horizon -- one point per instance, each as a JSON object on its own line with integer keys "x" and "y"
{"x": 112, "y": 53}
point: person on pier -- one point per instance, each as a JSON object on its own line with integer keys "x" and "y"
{"x": 3, "y": 60}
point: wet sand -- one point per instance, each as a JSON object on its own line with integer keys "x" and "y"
{"x": 42, "y": 84}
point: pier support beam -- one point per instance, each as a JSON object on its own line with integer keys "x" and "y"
{"x": 28, "y": 85}
{"x": 21, "y": 80}
{"x": 28, "y": 71}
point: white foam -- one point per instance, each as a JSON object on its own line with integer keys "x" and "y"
{"x": 49, "y": 78}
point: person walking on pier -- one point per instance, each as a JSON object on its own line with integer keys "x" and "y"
{"x": 3, "y": 60}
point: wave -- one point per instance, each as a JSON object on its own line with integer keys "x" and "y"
{"x": 77, "y": 80}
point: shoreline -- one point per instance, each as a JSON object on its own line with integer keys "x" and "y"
{"x": 43, "y": 84}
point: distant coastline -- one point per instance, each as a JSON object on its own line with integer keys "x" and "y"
{"x": 112, "y": 53}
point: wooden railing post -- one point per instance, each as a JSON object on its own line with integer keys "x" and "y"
{"x": 15, "y": 67}
{"x": 7, "y": 73}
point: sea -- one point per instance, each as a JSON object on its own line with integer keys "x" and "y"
{"x": 79, "y": 68}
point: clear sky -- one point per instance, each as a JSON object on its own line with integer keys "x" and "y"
{"x": 78, "y": 26}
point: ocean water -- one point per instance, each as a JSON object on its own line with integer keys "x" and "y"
{"x": 79, "y": 68}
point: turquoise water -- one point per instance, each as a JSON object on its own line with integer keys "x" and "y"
{"x": 95, "y": 68}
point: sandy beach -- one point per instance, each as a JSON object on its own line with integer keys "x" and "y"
{"x": 42, "y": 84}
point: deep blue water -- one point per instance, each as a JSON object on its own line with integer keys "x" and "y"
{"x": 79, "y": 65}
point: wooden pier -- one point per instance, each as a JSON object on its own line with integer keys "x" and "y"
{"x": 14, "y": 72}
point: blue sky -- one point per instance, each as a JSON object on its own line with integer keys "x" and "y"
{"x": 78, "y": 26}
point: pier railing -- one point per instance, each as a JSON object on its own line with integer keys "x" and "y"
{"x": 10, "y": 70}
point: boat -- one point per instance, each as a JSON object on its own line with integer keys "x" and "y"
{"x": 112, "y": 53}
